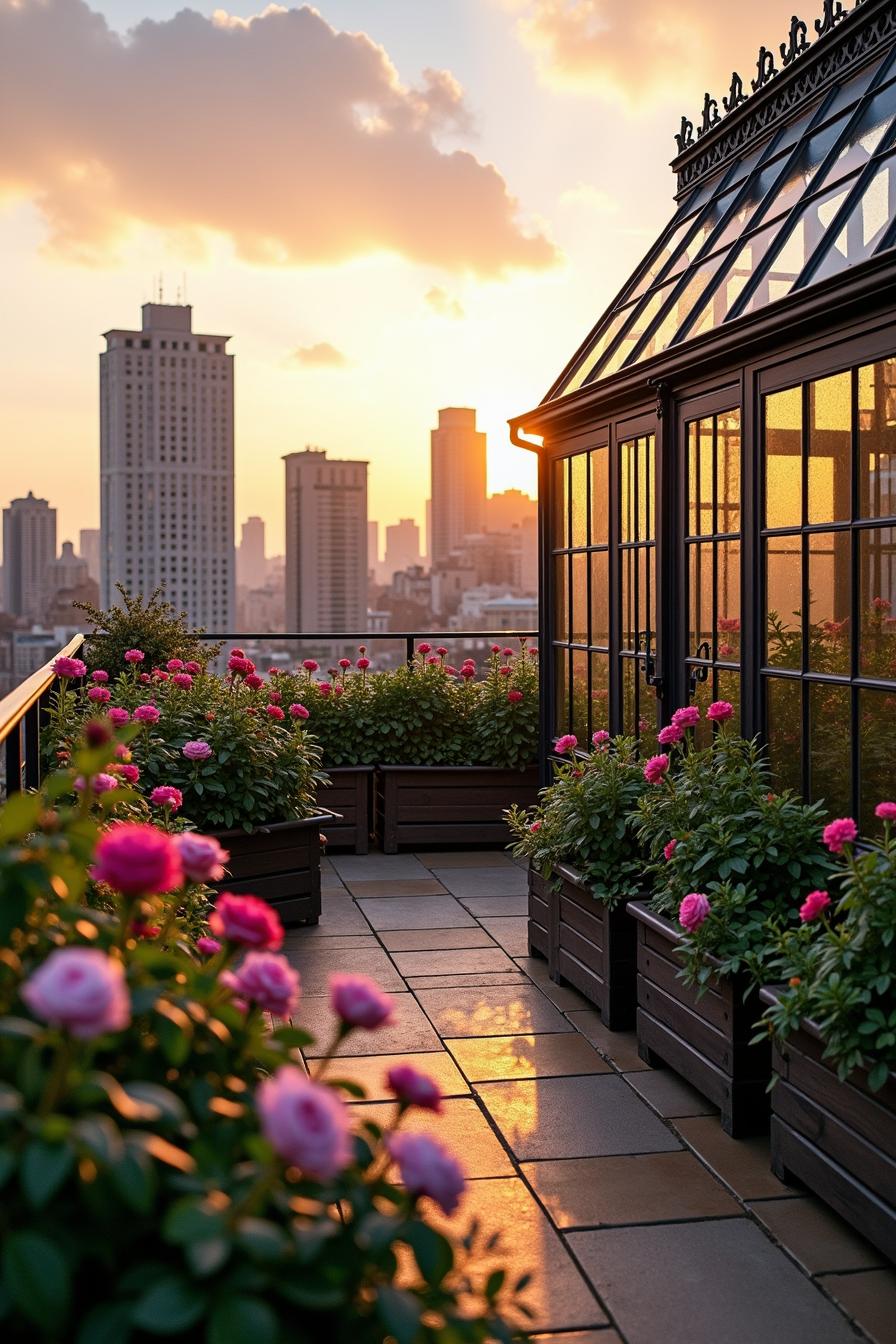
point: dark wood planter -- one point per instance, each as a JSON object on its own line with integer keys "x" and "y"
{"x": 837, "y": 1138}
{"x": 280, "y": 863}
{"x": 350, "y": 795}
{"x": 448, "y": 805}
{"x": 706, "y": 1040}
{"x": 586, "y": 945}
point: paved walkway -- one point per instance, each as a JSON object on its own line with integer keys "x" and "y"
{"x": 611, "y": 1181}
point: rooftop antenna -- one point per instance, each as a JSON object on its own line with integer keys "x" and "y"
{"x": 161, "y": 282}
{"x": 185, "y": 286}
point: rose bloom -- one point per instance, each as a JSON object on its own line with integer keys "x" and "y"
{"x": 69, "y": 667}
{"x": 433, "y": 661}
{"x": 202, "y": 857}
{"x": 569, "y": 742}
{"x": 693, "y": 910}
{"x": 505, "y": 671}
{"x": 122, "y": 753}
{"x": 97, "y": 734}
{"x": 310, "y": 665}
{"x": 413, "y": 1088}
{"x": 80, "y": 989}
{"x": 324, "y": 687}
{"x": 207, "y": 946}
{"x": 720, "y": 710}
{"x": 134, "y": 656}
{"x": 99, "y": 677}
{"x": 427, "y": 1168}
{"x": 359, "y": 1001}
{"x": 725, "y": 650}
{"x": 885, "y": 811}
{"x": 345, "y": 663}
{"x": 144, "y": 678}
{"x": 305, "y": 1123}
{"x": 363, "y": 664}
{"x": 137, "y": 860}
{"x": 514, "y": 697}
{"x": 247, "y": 920}
{"x": 838, "y": 833}
{"x": 441, "y": 651}
{"x": 192, "y": 667}
{"x": 266, "y": 978}
{"x": 119, "y": 716}
{"x": 237, "y": 653}
{"x": 274, "y": 712}
{"x": 468, "y": 671}
{"x": 274, "y": 697}
{"x": 656, "y": 768}
{"x": 536, "y": 826}
{"x": 196, "y": 751}
{"x": 254, "y": 681}
{"x": 101, "y": 783}
{"x": 673, "y": 732}
{"x": 495, "y": 648}
{"x": 159, "y": 674}
{"x": 669, "y": 849}
{"x": 424, "y": 648}
{"x": 130, "y": 773}
{"x": 166, "y": 795}
{"x": 147, "y": 714}
{"x": 813, "y": 905}
{"x": 299, "y": 712}
{"x": 175, "y": 665}
{"x": 687, "y": 717}
{"x": 182, "y": 680}
{"x": 600, "y": 737}
{"x": 338, "y": 690}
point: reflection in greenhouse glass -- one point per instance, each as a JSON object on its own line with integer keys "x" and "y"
{"x": 866, "y": 134}
{"x": 666, "y": 252}
{"x": 783, "y": 458}
{"x": 679, "y": 311}
{"x": 877, "y": 439}
{"x": 600, "y": 599}
{"x": 560, "y": 501}
{"x": 729, "y": 689}
{"x": 829, "y": 602}
{"x": 649, "y": 450}
{"x": 807, "y": 235}
{"x": 693, "y": 527}
{"x": 829, "y": 748}
{"x": 600, "y": 496}
{"x": 636, "y": 329}
{"x": 783, "y": 571}
{"x": 561, "y": 692}
{"x": 647, "y": 588}
{"x": 784, "y": 698}
{"x": 561, "y": 597}
{"x": 727, "y": 599}
{"x": 830, "y": 449}
{"x": 629, "y": 706}
{"x": 580, "y": 598}
{"x": 728, "y": 471}
{"x": 589, "y": 362}
{"x": 579, "y": 500}
{"x": 630, "y": 626}
{"x": 705, "y": 521}
{"x": 580, "y": 698}
{"x": 600, "y": 691}
{"x": 877, "y": 751}
{"x": 700, "y": 584}
{"x": 877, "y": 566}
{"x": 627, "y": 480}
{"x": 703, "y": 697}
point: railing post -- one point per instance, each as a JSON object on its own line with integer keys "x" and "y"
{"x": 31, "y": 725}
{"x": 14, "y": 761}
{"x": 409, "y": 648}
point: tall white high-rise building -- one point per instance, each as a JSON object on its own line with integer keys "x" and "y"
{"x": 457, "y": 454}
{"x": 326, "y": 543}
{"x": 251, "y": 562}
{"x": 166, "y": 465}
{"x": 29, "y": 546}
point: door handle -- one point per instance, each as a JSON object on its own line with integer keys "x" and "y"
{"x": 645, "y": 646}
{"x": 699, "y": 674}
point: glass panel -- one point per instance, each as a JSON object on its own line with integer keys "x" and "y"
{"x": 703, "y": 696}
{"x": 830, "y": 449}
{"x": 627, "y": 560}
{"x": 649, "y": 712}
{"x": 783, "y": 570}
{"x": 561, "y": 692}
{"x": 728, "y": 599}
{"x": 877, "y": 565}
{"x": 877, "y": 751}
{"x": 600, "y": 598}
{"x": 652, "y": 272}
{"x": 600, "y": 691}
{"x": 829, "y": 602}
{"x": 602, "y": 342}
{"x": 830, "y": 761}
{"x": 681, "y": 307}
{"x": 600, "y": 497}
{"x": 728, "y": 688}
{"x": 627, "y": 503}
{"x": 806, "y": 164}
{"x": 580, "y": 598}
{"x": 561, "y": 597}
{"x": 866, "y": 135}
{"x": 647, "y": 590}
{"x": 877, "y": 439}
{"x": 865, "y": 225}
{"x": 649, "y": 449}
{"x": 579, "y": 500}
{"x": 636, "y": 329}
{"x": 783, "y": 458}
{"x": 560, "y": 498}
{"x": 728, "y": 471}
{"x": 784, "y": 731}
{"x": 629, "y": 708}
{"x": 791, "y": 256}
{"x": 580, "y": 695}
{"x": 693, "y": 479}
{"x": 700, "y": 599}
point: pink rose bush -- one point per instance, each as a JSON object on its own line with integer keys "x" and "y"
{"x": 247, "y": 921}
{"x": 427, "y": 1168}
{"x": 137, "y": 860}
{"x": 693, "y": 911}
{"x": 359, "y": 1002}
{"x": 267, "y": 979}
{"x": 814, "y": 904}
{"x": 305, "y": 1123}
{"x": 413, "y": 1088}
{"x": 201, "y": 856}
{"x": 80, "y": 989}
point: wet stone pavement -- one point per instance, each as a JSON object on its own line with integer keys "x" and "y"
{"x": 610, "y": 1181}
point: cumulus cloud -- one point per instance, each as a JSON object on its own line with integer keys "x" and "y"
{"x": 441, "y": 302}
{"x": 323, "y": 355}
{"x": 296, "y": 141}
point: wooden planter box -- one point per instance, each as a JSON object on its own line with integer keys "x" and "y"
{"x": 351, "y": 796}
{"x": 280, "y": 863}
{"x": 586, "y": 945}
{"x": 706, "y": 1040}
{"x": 420, "y": 805}
{"x": 837, "y": 1138}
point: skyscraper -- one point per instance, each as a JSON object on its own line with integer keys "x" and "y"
{"x": 29, "y": 546}
{"x": 89, "y": 550}
{"x": 402, "y": 547}
{"x": 457, "y": 453}
{"x": 326, "y": 543}
{"x": 251, "y": 563}
{"x": 166, "y": 465}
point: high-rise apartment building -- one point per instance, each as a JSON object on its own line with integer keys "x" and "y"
{"x": 326, "y": 543}
{"x": 251, "y": 562}
{"x": 457, "y": 452}
{"x": 402, "y": 547}
{"x": 29, "y": 546}
{"x": 166, "y": 465}
{"x": 89, "y": 550}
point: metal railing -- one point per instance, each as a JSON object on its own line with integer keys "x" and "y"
{"x": 21, "y": 718}
{"x": 409, "y": 638}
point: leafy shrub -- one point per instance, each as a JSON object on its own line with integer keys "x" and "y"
{"x": 586, "y": 818}
{"x": 156, "y": 1182}
{"x": 149, "y": 624}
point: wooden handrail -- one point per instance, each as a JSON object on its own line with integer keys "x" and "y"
{"x": 15, "y": 706}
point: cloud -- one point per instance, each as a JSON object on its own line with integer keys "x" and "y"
{"x": 442, "y": 303}
{"x": 323, "y": 355}
{"x": 296, "y": 141}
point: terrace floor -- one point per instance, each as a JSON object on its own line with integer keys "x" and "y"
{"x": 611, "y": 1181}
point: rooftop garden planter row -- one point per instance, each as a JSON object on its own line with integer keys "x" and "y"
{"x": 706, "y": 1040}
{"x": 587, "y": 944}
{"x": 280, "y": 864}
{"x": 448, "y": 805}
{"x": 835, "y": 1136}
{"x": 351, "y": 796}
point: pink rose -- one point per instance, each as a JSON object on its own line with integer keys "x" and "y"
{"x": 134, "y": 656}
{"x": 324, "y": 687}
{"x": 144, "y": 678}
{"x": 101, "y": 783}
{"x": 442, "y": 651}
{"x": 192, "y": 667}
{"x": 159, "y": 674}
{"x": 118, "y": 716}
{"x": 310, "y": 665}
{"x": 720, "y": 710}
{"x": 502, "y": 671}
{"x": 266, "y": 978}
{"x": 237, "y": 653}
{"x": 147, "y": 714}
{"x": 99, "y": 677}
{"x": 569, "y": 742}
{"x": 183, "y": 680}
{"x": 693, "y": 910}
{"x": 166, "y": 795}
{"x": 840, "y": 832}
{"x": 274, "y": 697}
{"x": 467, "y": 671}
{"x": 495, "y": 648}
{"x": 813, "y": 905}
{"x": 338, "y": 690}
{"x": 508, "y": 653}
{"x": 175, "y": 665}
{"x": 424, "y": 648}
{"x": 274, "y": 712}
{"x": 254, "y": 681}
{"x": 130, "y": 773}
{"x": 66, "y": 668}
{"x": 240, "y": 665}
{"x": 202, "y": 857}
{"x": 196, "y": 751}
{"x": 363, "y": 664}
{"x": 305, "y": 1122}
{"x": 514, "y": 697}
{"x": 247, "y": 920}
{"x": 688, "y": 717}
{"x": 208, "y": 946}
{"x": 885, "y": 811}
{"x": 413, "y": 1088}
{"x": 669, "y": 849}
{"x": 345, "y": 663}
{"x": 299, "y": 712}
{"x": 137, "y": 860}
{"x": 359, "y": 1001}
{"x": 656, "y": 768}
{"x": 673, "y": 732}
{"x": 600, "y": 737}
{"x": 80, "y": 989}
{"x": 536, "y": 827}
{"x": 428, "y": 1169}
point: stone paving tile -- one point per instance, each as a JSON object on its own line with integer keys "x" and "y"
{"x": 508, "y": 881}
{"x": 410, "y": 1032}
{"x": 579, "y": 1337}
{"x": 564, "y": 997}
{"x": 868, "y": 1297}
{"x": 395, "y": 886}
{"x": 669, "y": 1094}
{"x": 495, "y": 905}
{"x": 645, "y": 1188}
{"x": 465, "y": 981}
{"x": 485, "y": 858}
{"x": 535, "y": 967}
{"x": 722, "y": 1282}
{"x": 338, "y": 916}
{"x": 488, "y": 1058}
{"x": 370, "y": 1071}
{"x": 302, "y": 938}
{"x": 378, "y": 867}
{"x": 620, "y": 1047}
{"x": 502, "y": 1011}
{"x": 743, "y": 1164}
{"x": 416, "y": 912}
{"x": 461, "y": 1126}
{"x": 574, "y": 1117}
{"x": 422, "y": 940}
{"x": 512, "y": 933}
{"x": 559, "y": 1295}
{"x": 457, "y": 961}
{"x": 316, "y": 962}
{"x": 816, "y": 1237}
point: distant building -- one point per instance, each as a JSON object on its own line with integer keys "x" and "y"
{"x": 488, "y": 608}
{"x": 457, "y": 454}
{"x": 29, "y": 545}
{"x": 326, "y": 543}
{"x": 402, "y": 547}
{"x": 508, "y": 510}
{"x": 373, "y": 543}
{"x": 251, "y": 565}
{"x": 67, "y": 580}
{"x": 89, "y": 550}
{"x": 166, "y": 465}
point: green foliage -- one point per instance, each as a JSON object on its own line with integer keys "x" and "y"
{"x": 839, "y": 971}
{"x": 149, "y": 624}
{"x": 140, "y": 1198}
{"x": 586, "y": 818}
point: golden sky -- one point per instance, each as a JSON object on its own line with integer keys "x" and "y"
{"x": 391, "y": 205}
